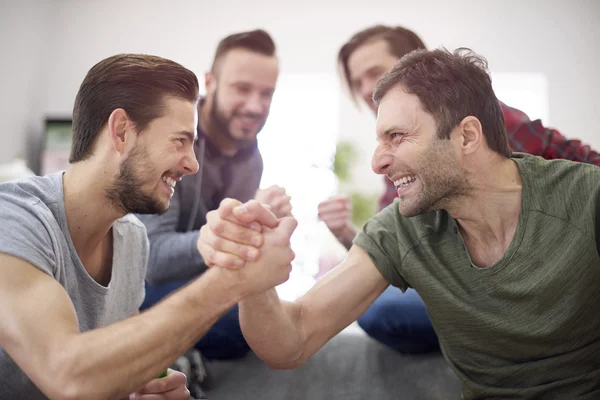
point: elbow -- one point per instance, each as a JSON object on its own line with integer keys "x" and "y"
{"x": 70, "y": 382}
{"x": 286, "y": 365}
{"x": 292, "y": 361}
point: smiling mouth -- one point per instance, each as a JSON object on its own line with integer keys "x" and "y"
{"x": 405, "y": 181}
{"x": 169, "y": 181}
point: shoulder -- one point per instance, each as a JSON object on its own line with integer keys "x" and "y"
{"x": 31, "y": 199}
{"x": 131, "y": 226}
{"x": 30, "y": 228}
{"x": 397, "y": 230}
{"x": 563, "y": 189}
{"x": 558, "y": 174}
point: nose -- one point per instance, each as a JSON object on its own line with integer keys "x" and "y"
{"x": 190, "y": 163}
{"x": 254, "y": 104}
{"x": 381, "y": 161}
{"x": 367, "y": 88}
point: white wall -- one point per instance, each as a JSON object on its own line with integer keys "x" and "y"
{"x": 25, "y": 36}
{"x": 44, "y": 63}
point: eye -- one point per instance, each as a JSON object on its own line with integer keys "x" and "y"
{"x": 243, "y": 89}
{"x": 267, "y": 94}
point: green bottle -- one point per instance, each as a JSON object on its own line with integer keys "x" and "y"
{"x": 163, "y": 374}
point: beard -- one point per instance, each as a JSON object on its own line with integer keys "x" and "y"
{"x": 441, "y": 177}
{"x": 126, "y": 192}
{"x": 223, "y": 124}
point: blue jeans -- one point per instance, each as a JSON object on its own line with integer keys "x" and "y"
{"x": 224, "y": 340}
{"x": 400, "y": 321}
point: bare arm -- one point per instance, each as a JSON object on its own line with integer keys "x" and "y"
{"x": 39, "y": 330}
{"x": 286, "y": 334}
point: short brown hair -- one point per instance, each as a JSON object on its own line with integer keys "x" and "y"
{"x": 400, "y": 41}
{"x": 258, "y": 41}
{"x": 450, "y": 86}
{"x": 137, "y": 83}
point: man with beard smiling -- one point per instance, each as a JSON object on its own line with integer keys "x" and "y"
{"x": 73, "y": 259}
{"x": 503, "y": 248}
{"x": 398, "y": 319}
{"x": 239, "y": 90}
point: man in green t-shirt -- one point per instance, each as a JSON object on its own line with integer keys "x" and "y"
{"x": 503, "y": 248}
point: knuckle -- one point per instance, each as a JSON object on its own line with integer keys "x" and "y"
{"x": 217, "y": 243}
{"x": 218, "y": 227}
{"x": 222, "y": 260}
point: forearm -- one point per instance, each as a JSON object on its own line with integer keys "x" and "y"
{"x": 273, "y": 329}
{"x": 114, "y": 361}
{"x": 174, "y": 256}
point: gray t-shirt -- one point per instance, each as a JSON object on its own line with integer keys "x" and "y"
{"x": 34, "y": 228}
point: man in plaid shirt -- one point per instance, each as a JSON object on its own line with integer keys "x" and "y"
{"x": 398, "y": 319}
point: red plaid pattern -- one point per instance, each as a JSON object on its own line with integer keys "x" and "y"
{"x": 526, "y": 136}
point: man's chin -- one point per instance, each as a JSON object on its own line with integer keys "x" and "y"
{"x": 151, "y": 209}
{"x": 409, "y": 210}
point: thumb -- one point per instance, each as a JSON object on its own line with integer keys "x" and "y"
{"x": 287, "y": 225}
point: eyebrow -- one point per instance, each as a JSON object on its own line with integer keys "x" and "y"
{"x": 367, "y": 71}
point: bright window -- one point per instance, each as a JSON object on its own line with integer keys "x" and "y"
{"x": 526, "y": 91}
{"x": 297, "y": 145}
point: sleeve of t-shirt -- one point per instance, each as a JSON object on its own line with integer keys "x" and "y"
{"x": 25, "y": 232}
{"x": 379, "y": 239}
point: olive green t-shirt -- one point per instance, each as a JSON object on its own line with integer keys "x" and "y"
{"x": 529, "y": 325}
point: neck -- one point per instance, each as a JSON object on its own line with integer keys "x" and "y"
{"x": 215, "y": 133}
{"x": 489, "y": 211}
{"x": 90, "y": 214}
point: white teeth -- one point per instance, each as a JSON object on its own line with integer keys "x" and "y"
{"x": 405, "y": 180}
{"x": 169, "y": 181}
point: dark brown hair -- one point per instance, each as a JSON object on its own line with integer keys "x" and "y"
{"x": 450, "y": 86}
{"x": 257, "y": 41}
{"x": 137, "y": 83}
{"x": 400, "y": 41}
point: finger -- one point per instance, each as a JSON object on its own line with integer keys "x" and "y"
{"x": 173, "y": 380}
{"x": 336, "y": 226}
{"x": 233, "y": 231}
{"x": 220, "y": 244}
{"x": 334, "y": 215}
{"x": 280, "y": 201}
{"x": 287, "y": 225}
{"x": 285, "y": 211}
{"x": 213, "y": 257}
{"x": 180, "y": 393}
{"x": 225, "y": 211}
{"x": 333, "y": 206}
{"x": 254, "y": 211}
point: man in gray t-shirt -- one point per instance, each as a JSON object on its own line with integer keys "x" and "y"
{"x": 73, "y": 257}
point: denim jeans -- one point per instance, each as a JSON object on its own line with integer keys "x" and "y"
{"x": 400, "y": 321}
{"x": 224, "y": 340}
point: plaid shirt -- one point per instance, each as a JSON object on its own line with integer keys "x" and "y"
{"x": 526, "y": 136}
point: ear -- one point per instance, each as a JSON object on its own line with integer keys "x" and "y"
{"x": 471, "y": 134}
{"x": 120, "y": 130}
{"x": 210, "y": 82}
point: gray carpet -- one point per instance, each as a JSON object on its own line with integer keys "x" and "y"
{"x": 351, "y": 366}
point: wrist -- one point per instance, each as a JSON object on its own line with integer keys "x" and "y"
{"x": 228, "y": 281}
{"x": 346, "y": 235}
